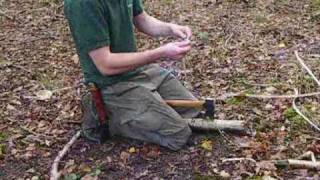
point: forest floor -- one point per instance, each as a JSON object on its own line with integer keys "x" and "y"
{"x": 238, "y": 46}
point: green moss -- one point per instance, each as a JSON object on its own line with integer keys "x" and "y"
{"x": 203, "y": 36}
{"x": 294, "y": 118}
{"x": 50, "y": 81}
{"x": 260, "y": 19}
{"x": 3, "y": 137}
{"x": 72, "y": 176}
{"x": 2, "y": 60}
{"x": 315, "y": 10}
{"x": 2, "y": 149}
{"x": 168, "y": 2}
{"x": 235, "y": 100}
{"x": 254, "y": 178}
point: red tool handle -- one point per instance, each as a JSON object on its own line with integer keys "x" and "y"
{"x": 97, "y": 98}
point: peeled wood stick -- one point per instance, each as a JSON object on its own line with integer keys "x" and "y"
{"x": 231, "y": 125}
{"x": 306, "y": 68}
{"x": 294, "y": 106}
{"x": 298, "y": 164}
{"x": 55, "y": 174}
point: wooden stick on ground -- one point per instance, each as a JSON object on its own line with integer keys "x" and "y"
{"x": 296, "y": 91}
{"x": 306, "y": 68}
{"x": 258, "y": 96}
{"x": 55, "y": 174}
{"x": 238, "y": 159}
{"x": 231, "y": 125}
{"x": 298, "y": 163}
{"x": 294, "y": 106}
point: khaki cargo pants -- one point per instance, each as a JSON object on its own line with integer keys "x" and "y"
{"x": 136, "y": 108}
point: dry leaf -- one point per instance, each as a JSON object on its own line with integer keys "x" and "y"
{"x": 89, "y": 177}
{"x": 206, "y": 144}
{"x": 224, "y": 174}
{"x": 85, "y": 168}
{"x": 124, "y": 156}
{"x": 282, "y": 45}
{"x": 44, "y": 94}
{"x": 132, "y": 150}
{"x": 75, "y": 59}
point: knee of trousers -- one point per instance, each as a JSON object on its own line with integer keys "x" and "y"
{"x": 178, "y": 140}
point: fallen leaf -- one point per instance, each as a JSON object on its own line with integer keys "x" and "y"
{"x": 85, "y": 168}
{"x": 75, "y": 59}
{"x": 44, "y": 94}
{"x": 132, "y": 150}
{"x": 89, "y": 177}
{"x": 124, "y": 156}
{"x": 224, "y": 174}
{"x": 268, "y": 178}
{"x": 11, "y": 108}
{"x": 206, "y": 144}
{"x": 282, "y": 45}
{"x": 35, "y": 178}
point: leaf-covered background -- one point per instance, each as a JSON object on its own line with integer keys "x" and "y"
{"x": 238, "y": 46}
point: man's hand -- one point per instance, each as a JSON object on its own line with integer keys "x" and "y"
{"x": 176, "y": 50}
{"x": 183, "y": 32}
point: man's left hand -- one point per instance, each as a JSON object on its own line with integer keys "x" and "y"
{"x": 183, "y": 32}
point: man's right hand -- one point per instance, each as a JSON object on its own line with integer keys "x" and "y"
{"x": 176, "y": 50}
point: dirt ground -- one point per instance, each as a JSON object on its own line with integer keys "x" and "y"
{"x": 238, "y": 46}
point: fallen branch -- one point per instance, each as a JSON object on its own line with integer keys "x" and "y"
{"x": 55, "y": 174}
{"x": 309, "y": 154}
{"x": 231, "y": 125}
{"x": 296, "y": 92}
{"x": 294, "y": 106}
{"x": 238, "y": 159}
{"x": 298, "y": 164}
{"x": 306, "y": 68}
{"x": 289, "y": 96}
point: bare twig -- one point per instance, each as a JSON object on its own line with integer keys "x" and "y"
{"x": 308, "y": 154}
{"x": 298, "y": 163}
{"x": 296, "y": 91}
{"x": 227, "y": 139}
{"x": 294, "y": 106}
{"x": 306, "y": 68}
{"x": 289, "y": 96}
{"x": 66, "y": 88}
{"x": 238, "y": 159}
{"x": 227, "y": 41}
{"x": 55, "y": 174}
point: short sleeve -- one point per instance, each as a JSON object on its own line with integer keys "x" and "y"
{"x": 88, "y": 24}
{"x": 137, "y": 7}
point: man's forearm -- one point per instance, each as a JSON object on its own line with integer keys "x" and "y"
{"x": 116, "y": 63}
{"x": 152, "y": 26}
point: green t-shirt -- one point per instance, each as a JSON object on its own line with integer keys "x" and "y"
{"x": 98, "y": 23}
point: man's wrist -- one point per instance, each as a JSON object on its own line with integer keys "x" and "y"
{"x": 155, "y": 54}
{"x": 170, "y": 29}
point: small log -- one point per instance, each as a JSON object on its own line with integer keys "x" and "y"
{"x": 229, "y": 125}
{"x": 298, "y": 164}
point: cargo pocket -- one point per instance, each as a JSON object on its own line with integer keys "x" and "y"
{"x": 124, "y": 110}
